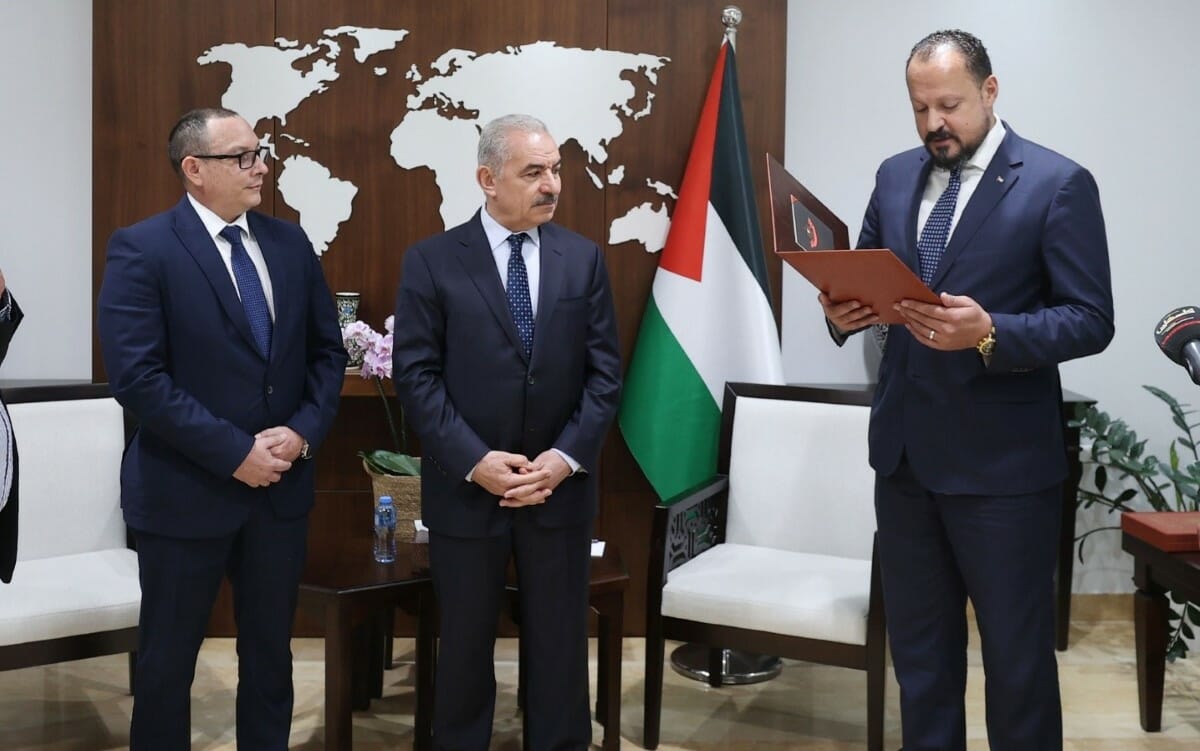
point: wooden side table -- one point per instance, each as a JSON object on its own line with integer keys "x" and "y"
{"x": 1156, "y": 571}
{"x": 355, "y": 594}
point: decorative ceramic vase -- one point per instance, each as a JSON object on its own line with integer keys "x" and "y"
{"x": 405, "y": 491}
{"x": 347, "y": 313}
{"x": 347, "y": 307}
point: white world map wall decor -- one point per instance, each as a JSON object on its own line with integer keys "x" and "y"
{"x": 591, "y": 94}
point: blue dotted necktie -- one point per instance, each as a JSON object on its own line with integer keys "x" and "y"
{"x": 932, "y": 241}
{"x": 518, "y": 292}
{"x": 250, "y": 289}
{"x": 937, "y": 227}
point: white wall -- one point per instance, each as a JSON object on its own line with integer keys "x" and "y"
{"x": 46, "y": 184}
{"x": 1109, "y": 83}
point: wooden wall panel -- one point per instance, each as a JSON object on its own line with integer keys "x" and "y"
{"x": 146, "y": 75}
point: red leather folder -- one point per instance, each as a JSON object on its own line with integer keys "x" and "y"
{"x": 875, "y": 277}
{"x": 813, "y": 241}
{"x": 1172, "y": 531}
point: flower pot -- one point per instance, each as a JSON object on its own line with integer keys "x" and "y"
{"x": 405, "y": 491}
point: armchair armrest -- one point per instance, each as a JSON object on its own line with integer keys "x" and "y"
{"x": 684, "y": 527}
{"x": 687, "y": 525}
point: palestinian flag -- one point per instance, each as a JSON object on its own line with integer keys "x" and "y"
{"x": 709, "y": 317}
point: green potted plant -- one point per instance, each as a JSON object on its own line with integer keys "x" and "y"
{"x": 393, "y": 472}
{"x": 1118, "y": 454}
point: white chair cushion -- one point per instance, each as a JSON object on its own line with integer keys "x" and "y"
{"x": 778, "y": 591}
{"x": 69, "y": 595}
{"x": 799, "y": 478}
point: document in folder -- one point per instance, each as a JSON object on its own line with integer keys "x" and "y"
{"x": 813, "y": 241}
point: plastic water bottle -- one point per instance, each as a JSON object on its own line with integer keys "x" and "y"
{"x": 385, "y": 530}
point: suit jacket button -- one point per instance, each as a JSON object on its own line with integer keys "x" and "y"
{"x": 530, "y": 380}
{"x": 270, "y": 390}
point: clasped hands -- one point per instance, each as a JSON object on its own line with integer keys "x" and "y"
{"x": 958, "y": 323}
{"x": 272, "y": 454}
{"x": 516, "y": 480}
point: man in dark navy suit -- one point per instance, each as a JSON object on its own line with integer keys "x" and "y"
{"x": 219, "y": 333}
{"x": 10, "y": 318}
{"x": 506, "y": 362}
{"x": 966, "y": 432}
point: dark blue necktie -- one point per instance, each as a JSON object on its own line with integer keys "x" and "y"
{"x": 937, "y": 227}
{"x": 932, "y": 242}
{"x": 518, "y": 292}
{"x": 250, "y": 289}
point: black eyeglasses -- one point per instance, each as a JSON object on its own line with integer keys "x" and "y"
{"x": 245, "y": 160}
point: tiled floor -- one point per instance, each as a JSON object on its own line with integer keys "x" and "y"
{"x": 82, "y": 706}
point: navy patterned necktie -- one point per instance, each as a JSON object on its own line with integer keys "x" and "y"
{"x": 932, "y": 241}
{"x": 254, "y": 300}
{"x": 937, "y": 227}
{"x": 518, "y": 292}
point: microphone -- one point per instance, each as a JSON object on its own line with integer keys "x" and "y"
{"x": 1178, "y": 336}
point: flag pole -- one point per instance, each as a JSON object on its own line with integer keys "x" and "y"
{"x": 697, "y": 661}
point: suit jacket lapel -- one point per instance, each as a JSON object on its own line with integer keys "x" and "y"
{"x": 275, "y": 255}
{"x": 550, "y": 284}
{"x": 1001, "y": 175}
{"x": 192, "y": 235}
{"x": 915, "y": 193}
{"x": 476, "y": 257}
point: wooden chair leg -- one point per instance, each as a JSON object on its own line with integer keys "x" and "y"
{"x": 876, "y": 685}
{"x": 132, "y": 670}
{"x": 652, "y": 698}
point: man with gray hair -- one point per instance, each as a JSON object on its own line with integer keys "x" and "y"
{"x": 508, "y": 369}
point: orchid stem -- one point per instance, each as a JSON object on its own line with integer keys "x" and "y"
{"x": 399, "y": 440}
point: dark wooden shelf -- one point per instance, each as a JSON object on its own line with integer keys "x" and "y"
{"x": 355, "y": 385}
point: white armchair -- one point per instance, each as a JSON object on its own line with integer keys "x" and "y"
{"x": 776, "y": 554}
{"x": 75, "y": 591}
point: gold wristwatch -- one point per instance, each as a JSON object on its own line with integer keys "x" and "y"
{"x": 986, "y": 346}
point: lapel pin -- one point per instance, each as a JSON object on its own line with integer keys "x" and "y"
{"x": 999, "y": 178}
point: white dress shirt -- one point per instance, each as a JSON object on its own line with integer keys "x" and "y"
{"x": 497, "y": 236}
{"x": 214, "y": 224}
{"x": 972, "y": 173}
